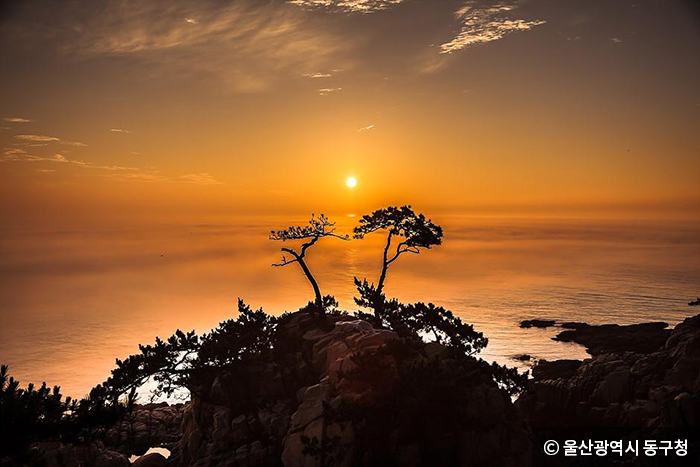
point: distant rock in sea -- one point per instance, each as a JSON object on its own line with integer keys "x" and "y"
{"x": 537, "y": 323}
{"x": 607, "y": 338}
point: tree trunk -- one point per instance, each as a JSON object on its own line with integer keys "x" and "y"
{"x": 378, "y": 302}
{"x": 314, "y": 284}
{"x": 385, "y": 265}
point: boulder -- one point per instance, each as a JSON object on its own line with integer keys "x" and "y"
{"x": 153, "y": 459}
{"x": 146, "y": 426}
{"x": 546, "y": 370}
{"x": 111, "y": 459}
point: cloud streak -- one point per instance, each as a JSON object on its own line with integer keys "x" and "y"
{"x": 16, "y": 120}
{"x": 482, "y": 24}
{"x": 202, "y": 178}
{"x": 349, "y": 6}
{"x": 43, "y": 139}
{"x": 316, "y": 75}
{"x": 118, "y": 172}
{"x": 37, "y": 138}
{"x": 20, "y": 155}
{"x": 326, "y": 91}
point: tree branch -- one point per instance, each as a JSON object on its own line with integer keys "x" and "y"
{"x": 285, "y": 261}
{"x": 399, "y": 251}
{"x": 305, "y": 246}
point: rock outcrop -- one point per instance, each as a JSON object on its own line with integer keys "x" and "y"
{"x": 537, "y": 323}
{"x": 613, "y": 338}
{"x": 347, "y": 394}
{"x": 57, "y": 454}
{"x": 640, "y": 376}
{"x": 145, "y": 427}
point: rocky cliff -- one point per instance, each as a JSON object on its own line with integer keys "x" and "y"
{"x": 350, "y": 394}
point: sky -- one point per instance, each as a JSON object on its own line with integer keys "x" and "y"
{"x": 114, "y": 111}
{"x": 148, "y": 147}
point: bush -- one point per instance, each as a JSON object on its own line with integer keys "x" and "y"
{"x": 419, "y": 320}
{"x": 31, "y": 414}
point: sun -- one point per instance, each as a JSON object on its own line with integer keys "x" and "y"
{"x": 351, "y": 182}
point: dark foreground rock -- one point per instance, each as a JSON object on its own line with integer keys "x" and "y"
{"x": 642, "y": 382}
{"x": 153, "y": 459}
{"x": 145, "y": 427}
{"x": 57, "y": 454}
{"x": 556, "y": 369}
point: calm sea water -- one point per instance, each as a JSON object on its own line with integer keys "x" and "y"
{"x": 73, "y": 301}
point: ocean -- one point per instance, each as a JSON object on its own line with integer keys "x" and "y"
{"x": 74, "y": 300}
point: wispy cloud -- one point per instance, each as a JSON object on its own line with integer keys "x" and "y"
{"x": 90, "y": 165}
{"x": 37, "y": 138}
{"x": 119, "y": 130}
{"x": 43, "y": 139}
{"x": 351, "y": 6}
{"x": 246, "y": 45}
{"x": 616, "y": 40}
{"x": 116, "y": 172}
{"x": 16, "y": 120}
{"x": 20, "y": 155}
{"x": 317, "y": 75}
{"x": 199, "y": 179}
{"x": 366, "y": 128}
{"x": 486, "y": 23}
{"x": 326, "y": 91}
{"x": 155, "y": 176}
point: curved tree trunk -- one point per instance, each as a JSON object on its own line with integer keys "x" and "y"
{"x": 378, "y": 302}
{"x": 385, "y": 265}
{"x": 314, "y": 284}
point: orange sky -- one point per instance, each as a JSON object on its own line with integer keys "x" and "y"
{"x": 127, "y": 109}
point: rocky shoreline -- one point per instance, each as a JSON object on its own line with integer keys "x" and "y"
{"x": 350, "y": 394}
{"x": 639, "y": 376}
